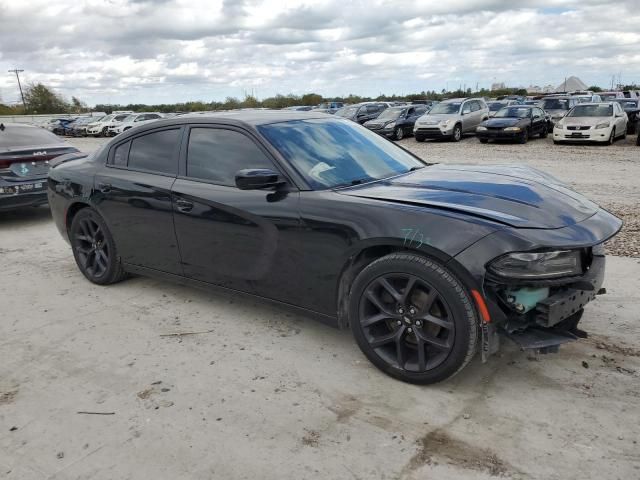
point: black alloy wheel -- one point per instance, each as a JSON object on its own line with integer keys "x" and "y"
{"x": 94, "y": 249}
{"x": 524, "y": 137}
{"x": 412, "y": 318}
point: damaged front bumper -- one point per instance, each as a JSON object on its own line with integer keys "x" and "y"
{"x": 539, "y": 314}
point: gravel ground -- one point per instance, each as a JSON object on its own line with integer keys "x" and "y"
{"x": 609, "y": 175}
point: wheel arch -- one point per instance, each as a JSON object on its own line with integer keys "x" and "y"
{"x": 72, "y": 211}
{"x": 366, "y": 254}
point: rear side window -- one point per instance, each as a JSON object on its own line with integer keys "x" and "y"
{"x": 217, "y": 154}
{"x": 155, "y": 152}
{"x": 120, "y": 155}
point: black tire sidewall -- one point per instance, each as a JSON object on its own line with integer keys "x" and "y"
{"x": 114, "y": 269}
{"x": 454, "y": 137}
{"x": 453, "y": 293}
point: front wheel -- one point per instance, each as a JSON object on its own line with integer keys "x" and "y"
{"x": 457, "y": 133}
{"x": 419, "y": 138}
{"x": 94, "y": 249}
{"x": 412, "y": 318}
{"x": 484, "y": 140}
{"x": 398, "y": 134}
{"x": 612, "y": 137}
{"x": 524, "y": 138}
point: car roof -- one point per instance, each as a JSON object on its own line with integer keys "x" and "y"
{"x": 18, "y": 125}
{"x": 455, "y": 100}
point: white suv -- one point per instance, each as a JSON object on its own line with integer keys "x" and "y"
{"x": 134, "y": 120}
{"x": 100, "y": 128}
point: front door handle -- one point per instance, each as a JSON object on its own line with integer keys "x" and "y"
{"x": 184, "y": 205}
{"x": 104, "y": 187}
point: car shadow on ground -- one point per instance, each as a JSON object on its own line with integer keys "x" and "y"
{"x": 23, "y": 217}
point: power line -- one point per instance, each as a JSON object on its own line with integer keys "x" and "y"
{"x": 17, "y": 72}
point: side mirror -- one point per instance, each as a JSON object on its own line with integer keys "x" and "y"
{"x": 257, "y": 178}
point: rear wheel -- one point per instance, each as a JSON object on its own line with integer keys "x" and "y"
{"x": 94, "y": 249}
{"x": 412, "y": 318}
{"x": 544, "y": 132}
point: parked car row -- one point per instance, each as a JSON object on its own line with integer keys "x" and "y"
{"x": 102, "y": 126}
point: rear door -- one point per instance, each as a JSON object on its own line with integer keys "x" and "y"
{"x": 241, "y": 239}
{"x": 133, "y": 194}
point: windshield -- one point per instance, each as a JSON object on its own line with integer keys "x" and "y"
{"x": 495, "y": 106}
{"x": 129, "y": 118}
{"x": 20, "y": 136}
{"x": 119, "y": 118}
{"x": 446, "y": 108}
{"x": 329, "y": 153}
{"x": 391, "y": 113}
{"x": 513, "y": 112}
{"x": 608, "y": 96}
{"x": 347, "y": 112}
{"x": 555, "y": 104}
{"x": 591, "y": 111}
{"x": 627, "y": 104}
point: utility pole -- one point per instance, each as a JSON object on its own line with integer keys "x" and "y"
{"x": 17, "y": 72}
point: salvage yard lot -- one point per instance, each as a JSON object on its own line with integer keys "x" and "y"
{"x": 258, "y": 392}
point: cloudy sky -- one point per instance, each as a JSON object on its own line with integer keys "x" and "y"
{"x": 151, "y": 51}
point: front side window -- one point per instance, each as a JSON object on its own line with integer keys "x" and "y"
{"x": 331, "y": 153}
{"x": 155, "y": 152}
{"x": 216, "y": 155}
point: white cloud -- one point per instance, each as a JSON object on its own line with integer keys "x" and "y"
{"x": 175, "y": 50}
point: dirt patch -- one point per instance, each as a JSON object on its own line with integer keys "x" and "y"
{"x": 311, "y": 438}
{"x": 438, "y": 446}
{"x": 8, "y": 397}
{"x": 602, "y": 343}
{"x": 345, "y": 408}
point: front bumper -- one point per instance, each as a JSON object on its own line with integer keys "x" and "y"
{"x": 498, "y": 134}
{"x": 590, "y": 135}
{"x": 433, "y": 131}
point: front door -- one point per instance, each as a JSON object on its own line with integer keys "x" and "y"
{"x": 132, "y": 192}
{"x": 240, "y": 239}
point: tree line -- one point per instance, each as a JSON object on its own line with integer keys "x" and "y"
{"x": 40, "y": 99}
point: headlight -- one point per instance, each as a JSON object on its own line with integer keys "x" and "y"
{"x": 538, "y": 265}
{"x": 559, "y": 126}
{"x": 481, "y": 129}
{"x": 390, "y": 125}
{"x": 444, "y": 123}
{"x": 603, "y": 125}
{"x": 512, "y": 129}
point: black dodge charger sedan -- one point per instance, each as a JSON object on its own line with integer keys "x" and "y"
{"x": 517, "y": 122}
{"x": 425, "y": 263}
{"x": 25, "y": 153}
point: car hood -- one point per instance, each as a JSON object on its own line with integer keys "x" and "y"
{"x": 557, "y": 113}
{"x": 436, "y": 117}
{"x": 589, "y": 121}
{"x": 514, "y": 195}
{"x": 502, "y": 122}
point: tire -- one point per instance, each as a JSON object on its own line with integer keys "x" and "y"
{"x": 484, "y": 140}
{"x": 638, "y": 141}
{"x": 419, "y": 138}
{"x": 457, "y": 133}
{"x": 544, "y": 132}
{"x": 524, "y": 138}
{"x": 94, "y": 249}
{"x": 612, "y": 137}
{"x": 398, "y": 134}
{"x": 438, "y": 319}
{"x": 104, "y": 132}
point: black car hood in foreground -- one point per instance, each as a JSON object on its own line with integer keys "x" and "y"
{"x": 514, "y": 195}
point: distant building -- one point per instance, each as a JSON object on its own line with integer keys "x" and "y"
{"x": 538, "y": 89}
{"x": 497, "y": 86}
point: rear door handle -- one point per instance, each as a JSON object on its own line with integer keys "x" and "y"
{"x": 104, "y": 187}
{"x": 184, "y": 205}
